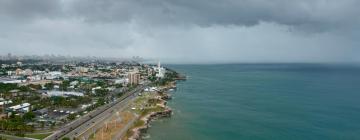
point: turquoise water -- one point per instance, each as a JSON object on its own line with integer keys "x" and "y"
{"x": 262, "y": 102}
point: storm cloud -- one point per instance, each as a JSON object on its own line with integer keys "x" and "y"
{"x": 201, "y": 31}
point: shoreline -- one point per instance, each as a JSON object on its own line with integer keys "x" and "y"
{"x": 138, "y": 131}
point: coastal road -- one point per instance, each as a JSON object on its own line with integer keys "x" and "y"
{"x": 14, "y": 137}
{"x": 79, "y": 125}
{"x": 99, "y": 120}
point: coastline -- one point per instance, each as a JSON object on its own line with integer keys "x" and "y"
{"x": 137, "y": 132}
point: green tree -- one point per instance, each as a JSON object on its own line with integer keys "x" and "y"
{"x": 65, "y": 85}
{"x": 49, "y": 86}
{"x": 29, "y": 116}
{"x": 71, "y": 117}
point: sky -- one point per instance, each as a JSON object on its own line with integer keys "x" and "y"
{"x": 185, "y": 31}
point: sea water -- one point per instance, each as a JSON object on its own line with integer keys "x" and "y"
{"x": 262, "y": 102}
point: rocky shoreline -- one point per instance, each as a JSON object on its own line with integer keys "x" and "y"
{"x": 167, "y": 112}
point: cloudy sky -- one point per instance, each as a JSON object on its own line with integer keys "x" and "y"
{"x": 185, "y": 31}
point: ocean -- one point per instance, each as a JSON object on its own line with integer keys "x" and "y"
{"x": 263, "y": 102}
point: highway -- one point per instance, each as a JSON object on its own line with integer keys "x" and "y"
{"x": 80, "y": 125}
{"x": 11, "y": 137}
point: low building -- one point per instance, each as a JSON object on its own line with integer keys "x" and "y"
{"x": 63, "y": 93}
{"x": 41, "y": 112}
{"x": 28, "y": 72}
{"x": 53, "y": 75}
{"x": 25, "y": 107}
{"x": 4, "y": 102}
{"x": 11, "y": 81}
{"x": 93, "y": 90}
{"x": 120, "y": 81}
{"x": 74, "y": 83}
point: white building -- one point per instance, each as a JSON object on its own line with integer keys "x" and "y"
{"x": 27, "y": 72}
{"x": 11, "y": 81}
{"x": 10, "y": 73}
{"x": 63, "y": 93}
{"x": 160, "y": 71}
{"x": 25, "y": 107}
{"x": 120, "y": 81}
{"x": 53, "y": 75}
{"x": 74, "y": 83}
{"x": 93, "y": 90}
{"x": 4, "y": 102}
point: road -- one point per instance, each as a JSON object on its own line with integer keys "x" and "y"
{"x": 99, "y": 120}
{"x": 79, "y": 125}
{"x": 15, "y": 137}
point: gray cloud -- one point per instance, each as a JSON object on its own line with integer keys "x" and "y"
{"x": 189, "y": 31}
{"x": 29, "y": 9}
{"x": 309, "y": 14}
{"x": 303, "y": 13}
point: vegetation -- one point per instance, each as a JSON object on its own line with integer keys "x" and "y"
{"x": 101, "y": 92}
{"x": 17, "y": 124}
{"x": 64, "y": 86}
{"x": 72, "y": 116}
{"x": 49, "y": 86}
{"x": 36, "y": 87}
{"x": 74, "y": 101}
{"x": 152, "y": 78}
{"x": 66, "y": 138}
{"x": 169, "y": 76}
{"x": 7, "y": 87}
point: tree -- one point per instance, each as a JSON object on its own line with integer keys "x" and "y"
{"x": 42, "y": 124}
{"x": 49, "y": 86}
{"x": 29, "y": 116}
{"x": 71, "y": 117}
{"x": 7, "y": 87}
{"x": 101, "y": 92}
{"x": 65, "y": 84}
{"x": 52, "y": 125}
{"x": 35, "y": 86}
{"x": 118, "y": 85}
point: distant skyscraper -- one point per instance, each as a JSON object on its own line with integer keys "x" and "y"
{"x": 9, "y": 56}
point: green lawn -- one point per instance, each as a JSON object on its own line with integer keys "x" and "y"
{"x": 38, "y": 136}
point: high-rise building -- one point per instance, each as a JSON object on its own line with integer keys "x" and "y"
{"x": 134, "y": 78}
{"x": 9, "y": 56}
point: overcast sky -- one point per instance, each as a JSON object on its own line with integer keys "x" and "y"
{"x": 185, "y": 31}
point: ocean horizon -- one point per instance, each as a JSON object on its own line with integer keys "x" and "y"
{"x": 263, "y": 101}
